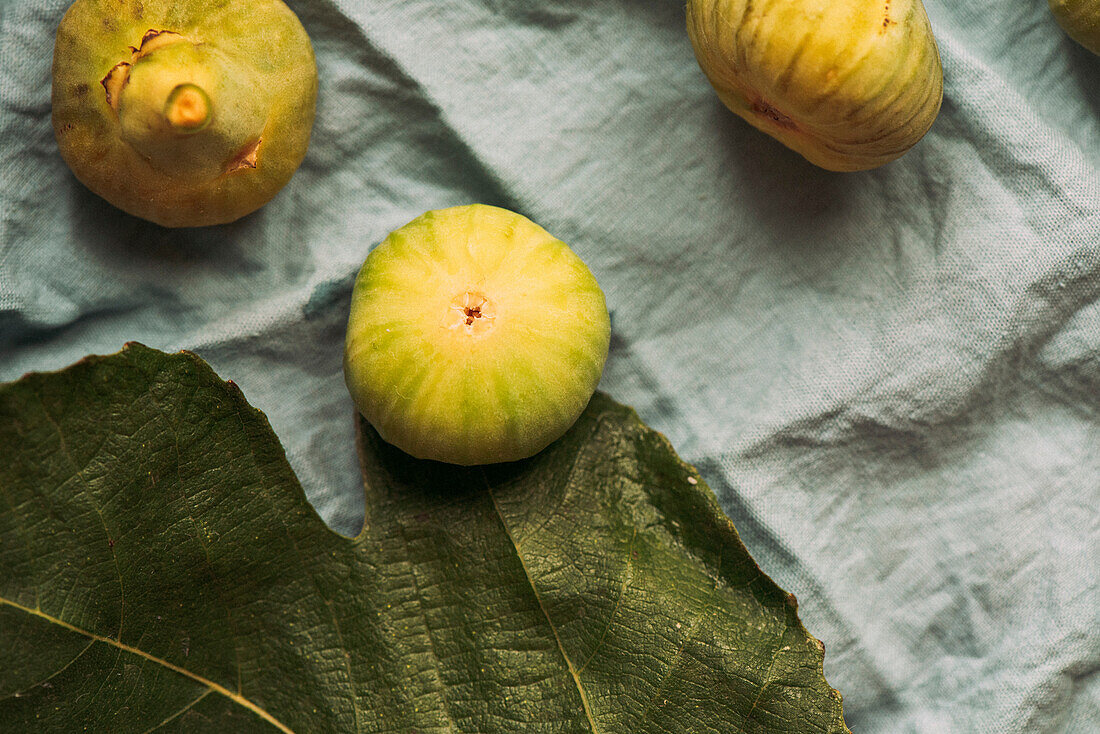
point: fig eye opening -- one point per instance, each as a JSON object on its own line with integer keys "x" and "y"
{"x": 471, "y": 311}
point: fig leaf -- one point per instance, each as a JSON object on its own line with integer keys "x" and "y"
{"x": 160, "y": 568}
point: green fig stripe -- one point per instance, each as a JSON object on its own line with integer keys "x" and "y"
{"x": 210, "y": 685}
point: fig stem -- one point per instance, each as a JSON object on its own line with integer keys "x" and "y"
{"x": 188, "y": 109}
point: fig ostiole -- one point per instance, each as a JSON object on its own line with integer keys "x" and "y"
{"x": 475, "y": 337}
{"x": 848, "y": 84}
{"x": 1080, "y": 19}
{"x": 185, "y": 113}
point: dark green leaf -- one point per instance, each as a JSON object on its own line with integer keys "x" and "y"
{"x": 160, "y": 568}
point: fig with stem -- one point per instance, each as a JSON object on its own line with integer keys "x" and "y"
{"x": 182, "y": 112}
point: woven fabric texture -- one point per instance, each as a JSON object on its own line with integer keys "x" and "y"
{"x": 891, "y": 378}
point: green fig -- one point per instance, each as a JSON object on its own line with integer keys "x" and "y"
{"x": 183, "y": 112}
{"x": 1080, "y": 19}
{"x": 849, "y": 84}
{"x": 475, "y": 337}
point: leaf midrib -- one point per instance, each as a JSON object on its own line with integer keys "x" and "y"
{"x": 211, "y": 685}
{"x": 545, "y": 613}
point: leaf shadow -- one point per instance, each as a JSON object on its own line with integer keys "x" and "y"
{"x": 390, "y": 474}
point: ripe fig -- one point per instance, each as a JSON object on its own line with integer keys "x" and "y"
{"x": 475, "y": 337}
{"x": 1080, "y": 19}
{"x": 849, "y": 84}
{"x": 183, "y": 112}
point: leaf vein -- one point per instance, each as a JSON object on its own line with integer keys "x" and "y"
{"x": 680, "y": 651}
{"x": 354, "y": 692}
{"x": 199, "y": 537}
{"x": 618, "y": 602}
{"x": 181, "y": 712}
{"x": 763, "y": 683}
{"x": 20, "y": 522}
{"x": 123, "y": 647}
{"x": 428, "y": 629}
{"x": 59, "y": 671}
{"x": 79, "y": 472}
{"x": 542, "y": 607}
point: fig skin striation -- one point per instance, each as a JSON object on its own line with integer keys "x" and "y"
{"x": 849, "y": 84}
{"x": 475, "y": 337}
{"x": 1080, "y": 19}
{"x": 183, "y": 112}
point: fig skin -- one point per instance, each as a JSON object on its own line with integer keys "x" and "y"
{"x": 475, "y": 337}
{"x": 1080, "y": 19}
{"x": 183, "y": 112}
{"x": 848, "y": 84}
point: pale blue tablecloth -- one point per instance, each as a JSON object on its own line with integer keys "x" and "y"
{"x": 890, "y": 378}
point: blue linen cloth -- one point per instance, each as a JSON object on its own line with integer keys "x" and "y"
{"x": 891, "y": 379}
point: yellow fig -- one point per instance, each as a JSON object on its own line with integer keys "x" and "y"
{"x": 849, "y": 84}
{"x": 475, "y": 337}
{"x": 1080, "y": 19}
{"x": 183, "y": 112}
